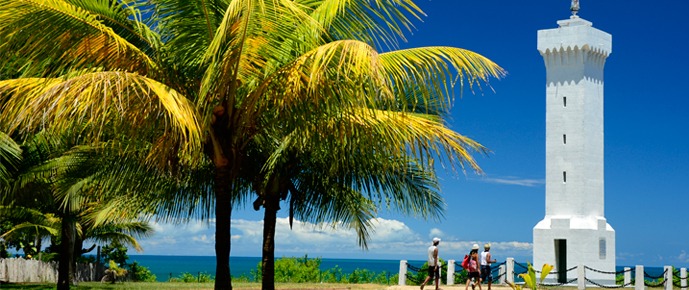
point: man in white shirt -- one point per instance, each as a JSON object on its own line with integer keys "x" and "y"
{"x": 433, "y": 264}
{"x": 485, "y": 260}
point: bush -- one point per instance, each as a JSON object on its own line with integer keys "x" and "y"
{"x": 304, "y": 270}
{"x": 141, "y": 273}
{"x": 190, "y": 278}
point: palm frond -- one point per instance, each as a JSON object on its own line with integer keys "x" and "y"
{"x": 188, "y": 27}
{"x": 96, "y": 102}
{"x": 10, "y": 157}
{"x": 248, "y": 42}
{"x": 380, "y": 23}
{"x": 434, "y": 71}
{"x": 73, "y": 37}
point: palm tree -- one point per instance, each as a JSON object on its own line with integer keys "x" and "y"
{"x": 58, "y": 193}
{"x": 320, "y": 188}
{"x": 222, "y": 73}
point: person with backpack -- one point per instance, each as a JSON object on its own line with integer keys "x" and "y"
{"x": 433, "y": 264}
{"x": 472, "y": 267}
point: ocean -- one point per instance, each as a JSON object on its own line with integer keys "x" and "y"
{"x": 166, "y": 267}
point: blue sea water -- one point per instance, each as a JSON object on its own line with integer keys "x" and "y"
{"x": 166, "y": 267}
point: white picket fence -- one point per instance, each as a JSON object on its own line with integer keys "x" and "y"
{"x": 19, "y": 270}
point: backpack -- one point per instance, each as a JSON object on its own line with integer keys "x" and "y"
{"x": 465, "y": 262}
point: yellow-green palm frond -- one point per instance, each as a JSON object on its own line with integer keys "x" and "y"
{"x": 379, "y": 23}
{"x": 30, "y": 227}
{"x": 10, "y": 156}
{"x": 31, "y": 220}
{"x": 67, "y": 36}
{"x": 424, "y": 136}
{"x": 125, "y": 19}
{"x": 333, "y": 76}
{"x": 188, "y": 27}
{"x": 397, "y": 134}
{"x": 249, "y": 41}
{"x": 432, "y": 72}
{"x": 103, "y": 102}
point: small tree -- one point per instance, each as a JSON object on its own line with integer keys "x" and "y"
{"x": 116, "y": 252}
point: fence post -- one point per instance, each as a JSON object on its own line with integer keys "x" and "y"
{"x": 510, "y": 271}
{"x": 581, "y": 277}
{"x": 668, "y": 277}
{"x": 683, "y": 278}
{"x": 639, "y": 283}
{"x": 450, "y": 272}
{"x": 501, "y": 274}
{"x": 403, "y": 273}
{"x": 440, "y": 271}
{"x": 627, "y": 276}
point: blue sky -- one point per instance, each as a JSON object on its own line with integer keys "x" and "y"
{"x": 646, "y": 142}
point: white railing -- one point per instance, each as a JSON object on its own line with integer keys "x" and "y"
{"x": 507, "y": 275}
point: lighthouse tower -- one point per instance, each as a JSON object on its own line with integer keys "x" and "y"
{"x": 574, "y": 230}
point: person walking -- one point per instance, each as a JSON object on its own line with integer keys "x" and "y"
{"x": 474, "y": 277}
{"x": 486, "y": 259}
{"x": 433, "y": 264}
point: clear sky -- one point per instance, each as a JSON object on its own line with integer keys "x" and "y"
{"x": 646, "y": 143}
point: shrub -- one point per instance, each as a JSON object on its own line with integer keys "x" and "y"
{"x": 141, "y": 273}
{"x": 190, "y": 278}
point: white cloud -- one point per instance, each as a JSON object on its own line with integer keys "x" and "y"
{"x": 390, "y": 239}
{"x": 683, "y": 257}
{"x": 435, "y": 232}
{"x": 511, "y": 180}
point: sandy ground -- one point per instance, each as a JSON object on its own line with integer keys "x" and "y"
{"x": 445, "y": 287}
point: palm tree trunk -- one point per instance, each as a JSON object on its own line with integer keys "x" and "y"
{"x": 272, "y": 205}
{"x": 65, "y": 271}
{"x": 223, "y": 214}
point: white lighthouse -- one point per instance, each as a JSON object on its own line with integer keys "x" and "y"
{"x": 574, "y": 230}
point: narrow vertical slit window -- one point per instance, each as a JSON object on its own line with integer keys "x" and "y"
{"x": 564, "y": 138}
{"x": 564, "y": 176}
{"x": 564, "y": 101}
{"x": 602, "y": 251}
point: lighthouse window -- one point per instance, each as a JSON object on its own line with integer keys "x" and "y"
{"x": 601, "y": 249}
{"x": 564, "y": 101}
{"x": 564, "y": 138}
{"x": 564, "y": 176}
